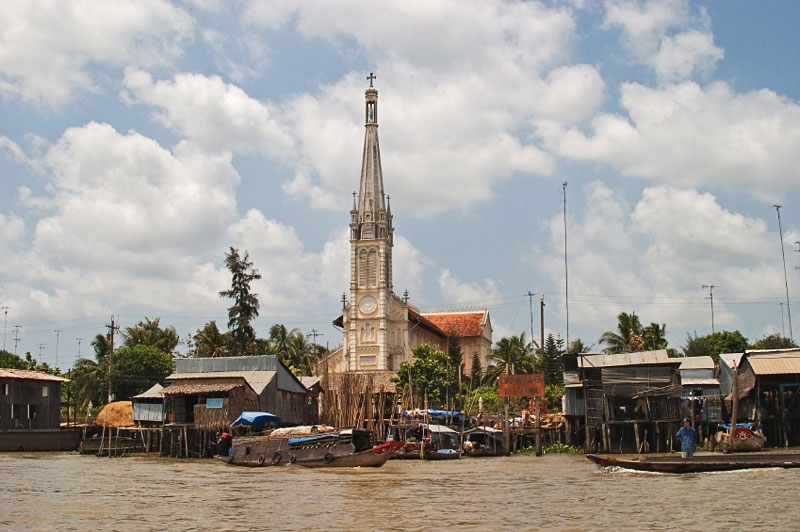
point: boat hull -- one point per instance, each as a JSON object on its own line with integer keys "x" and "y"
{"x": 375, "y": 457}
{"x": 699, "y": 464}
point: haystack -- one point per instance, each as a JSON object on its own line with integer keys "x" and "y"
{"x": 117, "y": 414}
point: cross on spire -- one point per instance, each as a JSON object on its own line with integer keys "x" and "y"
{"x": 371, "y": 77}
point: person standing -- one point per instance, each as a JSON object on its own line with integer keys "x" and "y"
{"x": 688, "y": 437}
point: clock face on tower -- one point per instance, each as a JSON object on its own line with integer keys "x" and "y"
{"x": 367, "y": 304}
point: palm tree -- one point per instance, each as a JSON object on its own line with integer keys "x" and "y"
{"x": 513, "y": 355}
{"x": 628, "y": 326}
{"x": 280, "y": 340}
{"x": 89, "y": 377}
{"x": 210, "y": 341}
{"x": 655, "y": 336}
{"x": 150, "y": 333}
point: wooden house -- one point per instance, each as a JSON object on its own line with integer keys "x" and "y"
{"x": 148, "y": 407}
{"x": 212, "y": 392}
{"x": 29, "y": 400}
{"x": 627, "y": 402}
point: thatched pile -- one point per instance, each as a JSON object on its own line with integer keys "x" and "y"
{"x": 117, "y": 414}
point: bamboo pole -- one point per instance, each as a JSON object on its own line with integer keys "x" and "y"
{"x": 735, "y": 407}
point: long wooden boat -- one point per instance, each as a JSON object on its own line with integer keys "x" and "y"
{"x": 700, "y": 463}
{"x": 346, "y": 448}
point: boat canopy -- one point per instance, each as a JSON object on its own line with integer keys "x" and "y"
{"x": 256, "y": 419}
{"x": 293, "y": 441}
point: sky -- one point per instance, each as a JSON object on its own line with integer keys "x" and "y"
{"x": 139, "y": 141}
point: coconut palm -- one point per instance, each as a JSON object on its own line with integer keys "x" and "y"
{"x": 150, "y": 333}
{"x": 628, "y": 326}
{"x": 280, "y": 339}
{"x": 210, "y": 341}
{"x": 655, "y": 336}
{"x": 512, "y": 355}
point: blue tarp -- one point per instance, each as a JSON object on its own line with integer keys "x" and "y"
{"x": 293, "y": 441}
{"x": 436, "y": 413}
{"x": 727, "y": 426}
{"x": 256, "y": 419}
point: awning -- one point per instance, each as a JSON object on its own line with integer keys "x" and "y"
{"x": 183, "y": 389}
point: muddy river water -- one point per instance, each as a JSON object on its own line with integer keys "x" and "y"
{"x": 55, "y": 492}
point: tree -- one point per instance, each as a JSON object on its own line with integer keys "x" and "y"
{"x": 475, "y": 372}
{"x": 210, "y": 342}
{"x": 89, "y": 378}
{"x": 11, "y": 361}
{"x": 427, "y": 375}
{"x": 455, "y": 356}
{"x": 137, "y": 368}
{"x": 553, "y": 360}
{"x": 655, "y": 336}
{"x": 714, "y": 344}
{"x": 576, "y": 347}
{"x": 628, "y": 326}
{"x": 774, "y": 341}
{"x": 245, "y": 303}
{"x": 150, "y": 333}
{"x": 513, "y": 355}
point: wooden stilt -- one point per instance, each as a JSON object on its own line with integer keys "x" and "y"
{"x": 636, "y": 435}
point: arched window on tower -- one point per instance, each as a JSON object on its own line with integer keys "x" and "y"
{"x": 372, "y": 279}
{"x": 362, "y": 268}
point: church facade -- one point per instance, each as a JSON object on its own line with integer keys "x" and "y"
{"x": 380, "y": 329}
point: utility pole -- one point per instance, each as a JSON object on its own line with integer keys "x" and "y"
{"x": 58, "y": 335}
{"x": 16, "y": 337}
{"x": 79, "y": 346}
{"x": 530, "y": 304}
{"x": 41, "y": 347}
{"x": 785, "y": 279}
{"x": 5, "y": 325}
{"x": 566, "y": 269}
{"x": 711, "y": 288}
{"x": 783, "y": 325}
{"x": 111, "y": 329}
{"x": 541, "y": 321}
{"x": 313, "y": 334}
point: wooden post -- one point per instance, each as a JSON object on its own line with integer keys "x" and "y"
{"x": 658, "y": 437}
{"x": 506, "y": 428}
{"x": 735, "y": 408}
{"x": 636, "y": 435}
{"x": 538, "y": 427}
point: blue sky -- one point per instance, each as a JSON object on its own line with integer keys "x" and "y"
{"x": 140, "y": 140}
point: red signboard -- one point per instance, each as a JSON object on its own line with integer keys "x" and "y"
{"x": 531, "y": 385}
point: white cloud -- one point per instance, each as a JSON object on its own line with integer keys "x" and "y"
{"x": 48, "y": 48}
{"x": 455, "y": 291}
{"x": 215, "y": 115}
{"x": 691, "y": 135}
{"x": 666, "y": 35}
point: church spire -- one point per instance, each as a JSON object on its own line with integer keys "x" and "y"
{"x": 372, "y": 220}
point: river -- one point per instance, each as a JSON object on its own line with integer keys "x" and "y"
{"x": 62, "y": 492}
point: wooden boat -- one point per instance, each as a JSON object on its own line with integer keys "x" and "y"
{"x": 345, "y": 448}
{"x": 700, "y": 463}
{"x": 443, "y": 454}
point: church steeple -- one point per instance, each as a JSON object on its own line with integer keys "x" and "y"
{"x": 371, "y": 221}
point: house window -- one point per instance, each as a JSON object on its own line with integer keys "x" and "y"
{"x": 31, "y": 411}
{"x": 5, "y": 388}
{"x": 45, "y": 391}
{"x": 15, "y": 411}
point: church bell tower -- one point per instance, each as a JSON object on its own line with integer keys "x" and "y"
{"x": 367, "y": 318}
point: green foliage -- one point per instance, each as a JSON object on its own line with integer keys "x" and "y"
{"x": 492, "y": 402}
{"x": 552, "y": 360}
{"x": 150, "y": 333}
{"x": 245, "y": 302}
{"x": 620, "y": 342}
{"x": 135, "y": 369}
{"x": 553, "y": 394}
{"x": 576, "y": 347}
{"x": 655, "y": 336}
{"x": 513, "y": 356}
{"x": 714, "y": 344}
{"x": 210, "y": 342}
{"x": 774, "y": 341}
{"x": 293, "y": 348}
{"x": 428, "y": 375}
{"x": 475, "y": 372}
{"x": 11, "y": 361}
{"x": 561, "y": 448}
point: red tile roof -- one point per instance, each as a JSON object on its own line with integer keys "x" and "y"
{"x": 462, "y": 323}
{"x": 26, "y": 374}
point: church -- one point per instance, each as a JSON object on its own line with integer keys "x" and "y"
{"x": 380, "y": 329}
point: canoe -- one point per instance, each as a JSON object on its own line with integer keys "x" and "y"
{"x": 700, "y": 463}
{"x": 443, "y": 454}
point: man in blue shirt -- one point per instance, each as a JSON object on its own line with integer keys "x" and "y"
{"x": 688, "y": 437}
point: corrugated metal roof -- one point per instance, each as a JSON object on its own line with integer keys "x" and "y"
{"x": 10, "y": 373}
{"x": 627, "y": 359}
{"x": 156, "y": 392}
{"x": 775, "y": 365}
{"x": 309, "y": 382}
{"x": 705, "y": 362}
{"x": 729, "y": 358}
{"x": 197, "y": 387}
{"x": 258, "y": 380}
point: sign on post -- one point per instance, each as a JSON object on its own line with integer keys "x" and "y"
{"x": 531, "y": 385}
